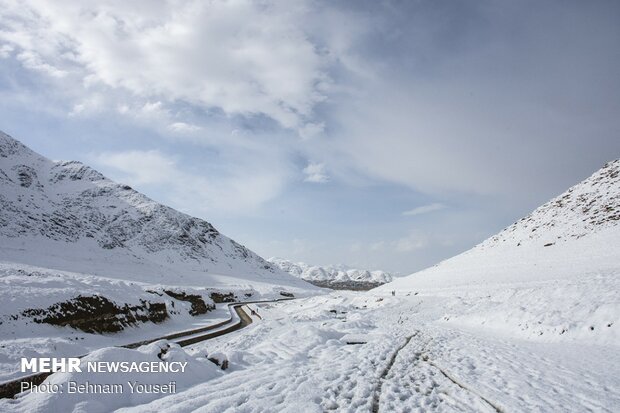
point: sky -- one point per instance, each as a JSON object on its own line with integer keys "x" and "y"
{"x": 378, "y": 134}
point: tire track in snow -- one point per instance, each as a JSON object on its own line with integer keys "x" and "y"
{"x": 462, "y": 386}
{"x": 421, "y": 357}
{"x": 377, "y": 395}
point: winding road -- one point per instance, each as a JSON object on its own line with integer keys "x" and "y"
{"x": 238, "y": 319}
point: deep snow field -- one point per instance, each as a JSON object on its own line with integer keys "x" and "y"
{"x": 297, "y": 359}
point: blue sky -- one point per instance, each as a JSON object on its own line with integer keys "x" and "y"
{"x": 379, "y": 134}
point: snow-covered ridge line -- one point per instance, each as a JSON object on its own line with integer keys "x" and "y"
{"x": 332, "y": 273}
{"x": 586, "y": 208}
{"x": 67, "y": 216}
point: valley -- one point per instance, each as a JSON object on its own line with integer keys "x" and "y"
{"x": 525, "y": 321}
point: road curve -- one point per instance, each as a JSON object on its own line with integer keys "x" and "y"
{"x": 232, "y": 325}
{"x": 11, "y": 388}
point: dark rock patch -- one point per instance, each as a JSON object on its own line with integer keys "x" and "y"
{"x": 198, "y": 303}
{"x": 97, "y": 314}
{"x": 218, "y": 297}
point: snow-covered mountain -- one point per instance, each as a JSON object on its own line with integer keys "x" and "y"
{"x": 333, "y": 275}
{"x": 555, "y": 271}
{"x": 82, "y": 255}
{"x": 67, "y": 216}
{"x": 585, "y": 209}
{"x": 578, "y": 228}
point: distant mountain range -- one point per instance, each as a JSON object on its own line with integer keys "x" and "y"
{"x": 334, "y": 276}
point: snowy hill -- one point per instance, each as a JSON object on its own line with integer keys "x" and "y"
{"x": 555, "y": 271}
{"x": 587, "y": 208}
{"x": 67, "y": 216}
{"x": 334, "y": 276}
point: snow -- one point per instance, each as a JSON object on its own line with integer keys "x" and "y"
{"x": 296, "y": 359}
{"x": 67, "y": 216}
{"x": 67, "y": 231}
{"x": 23, "y": 287}
{"x": 338, "y": 273}
{"x": 526, "y": 321}
{"x": 516, "y": 283}
{"x": 196, "y": 370}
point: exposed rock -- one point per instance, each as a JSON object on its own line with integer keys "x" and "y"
{"x": 97, "y": 314}
{"x": 198, "y": 303}
{"x": 218, "y": 297}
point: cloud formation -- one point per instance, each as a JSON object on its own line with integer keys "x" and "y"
{"x": 315, "y": 172}
{"x": 240, "y": 56}
{"x": 424, "y": 209}
{"x": 239, "y": 190}
{"x": 485, "y": 99}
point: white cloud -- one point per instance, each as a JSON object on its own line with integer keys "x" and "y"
{"x": 33, "y": 61}
{"x": 425, "y": 209}
{"x": 412, "y": 242}
{"x": 234, "y": 190}
{"x": 315, "y": 172}
{"x": 377, "y": 246}
{"x": 91, "y": 104}
{"x": 310, "y": 130}
{"x": 241, "y": 56}
{"x": 145, "y": 167}
{"x": 356, "y": 247}
{"x": 6, "y": 50}
{"x": 184, "y": 128}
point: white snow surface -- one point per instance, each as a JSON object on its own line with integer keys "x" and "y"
{"x": 337, "y": 273}
{"x": 67, "y": 216}
{"x": 296, "y": 359}
{"x": 196, "y": 371}
{"x": 511, "y": 326}
{"x": 24, "y": 287}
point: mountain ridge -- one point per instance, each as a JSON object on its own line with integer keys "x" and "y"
{"x": 334, "y": 276}
{"x": 589, "y": 206}
{"x": 556, "y": 240}
{"x": 50, "y": 208}
{"x": 554, "y": 275}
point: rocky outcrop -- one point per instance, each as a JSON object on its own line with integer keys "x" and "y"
{"x": 97, "y": 314}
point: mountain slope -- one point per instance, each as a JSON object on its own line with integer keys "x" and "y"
{"x": 339, "y": 277}
{"x": 564, "y": 237}
{"x": 586, "y": 208}
{"x": 555, "y": 272}
{"x": 67, "y": 216}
